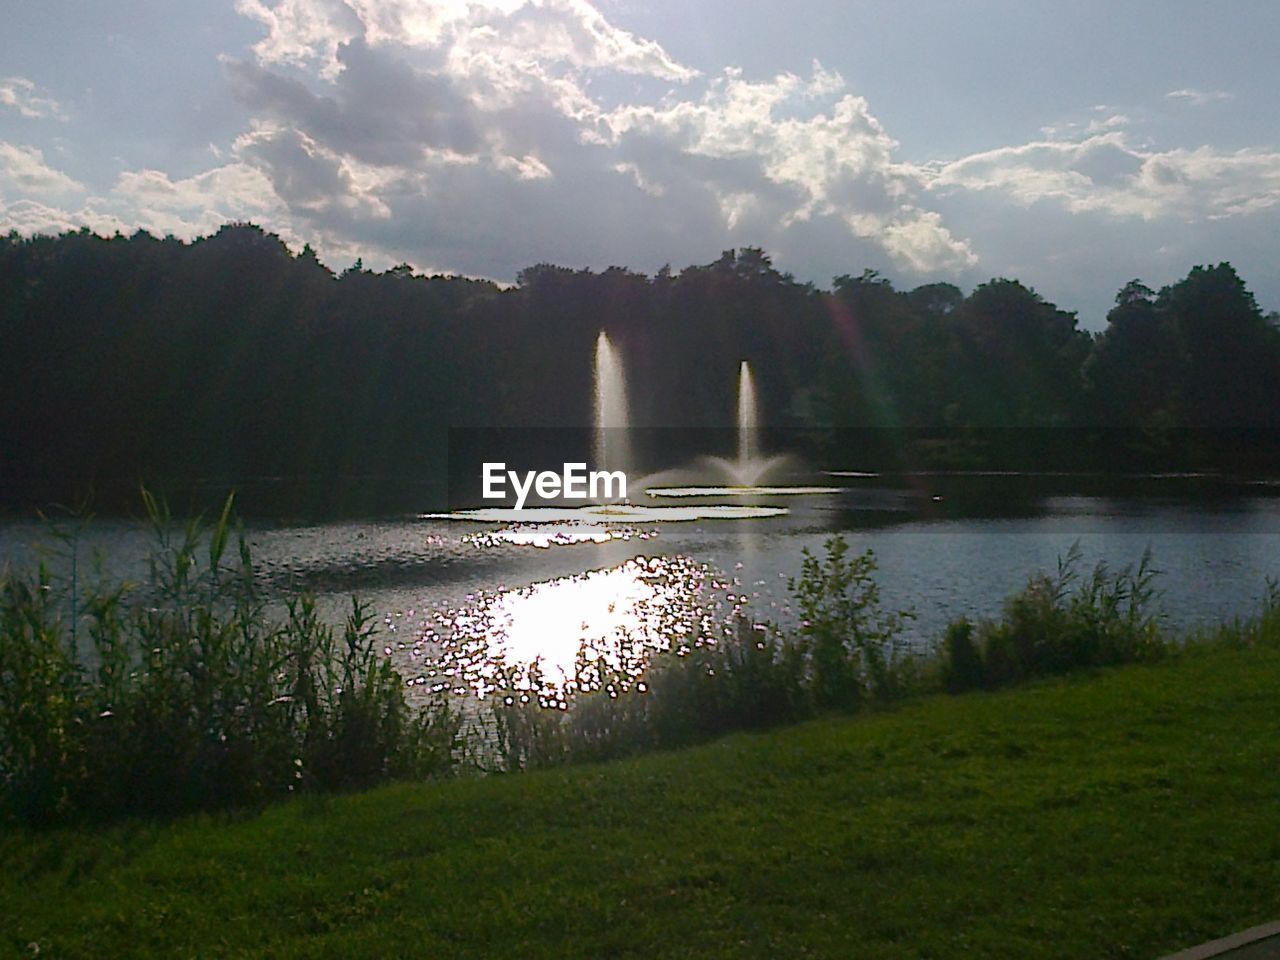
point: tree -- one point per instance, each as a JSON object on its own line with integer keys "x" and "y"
{"x": 1135, "y": 372}
{"x": 1021, "y": 358}
{"x": 1232, "y": 373}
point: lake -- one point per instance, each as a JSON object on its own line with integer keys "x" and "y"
{"x": 946, "y": 546}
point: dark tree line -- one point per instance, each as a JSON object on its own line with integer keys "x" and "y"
{"x": 229, "y": 357}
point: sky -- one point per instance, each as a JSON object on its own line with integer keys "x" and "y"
{"x": 1073, "y": 146}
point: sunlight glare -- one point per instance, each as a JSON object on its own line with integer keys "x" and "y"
{"x": 589, "y": 631}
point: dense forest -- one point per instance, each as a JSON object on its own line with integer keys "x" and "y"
{"x": 230, "y": 357}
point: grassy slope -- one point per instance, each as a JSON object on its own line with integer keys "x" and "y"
{"x": 1125, "y": 814}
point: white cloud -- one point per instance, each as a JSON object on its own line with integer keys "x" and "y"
{"x": 1198, "y": 98}
{"x": 23, "y": 170}
{"x": 21, "y": 94}
{"x": 736, "y": 207}
{"x": 572, "y": 32}
{"x": 150, "y": 200}
{"x": 1075, "y": 128}
{"x": 1105, "y": 173}
{"x": 638, "y": 177}
{"x": 29, "y": 217}
{"x": 527, "y": 167}
{"x": 921, "y": 242}
{"x": 195, "y": 205}
{"x": 302, "y": 32}
{"x": 1113, "y": 122}
{"x": 813, "y": 151}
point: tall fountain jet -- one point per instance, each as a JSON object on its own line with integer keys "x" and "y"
{"x": 612, "y": 447}
{"x": 748, "y": 417}
{"x": 750, "y": 467}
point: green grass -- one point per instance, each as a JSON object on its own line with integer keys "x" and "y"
{"x": 1122, "y": 814}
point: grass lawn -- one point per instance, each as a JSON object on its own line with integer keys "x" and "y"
{"x": 1124, "y": 814}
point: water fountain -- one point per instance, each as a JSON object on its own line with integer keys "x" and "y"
{"x": 612, "y": 452}
{"x": 745, "y": 473}
{"x": 611, "y": 415}
{"x": 748, "y": 416}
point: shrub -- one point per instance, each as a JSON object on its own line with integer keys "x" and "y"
{"x": 189, "y": 694}
{"x": 962, "y": 667}
{"x": 1058, "y": 624}
{"x": 849, "y": 644}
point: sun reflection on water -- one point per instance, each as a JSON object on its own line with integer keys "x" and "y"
{"x": 613, "y": 514}
{"x": 595, "y": 630}
{"x": 545, "y": 535}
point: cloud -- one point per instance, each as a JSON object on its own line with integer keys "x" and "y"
{"x": 504, "y": 126}
{"x": 1106, "y": 173}
{"x": 23, "y": 170}
{"x": 923, "y": 244}
{"x": 377, "y": 108}
{"x": 302, "y": 32}
{"x": 1198, "y": 98}
{"x": 1077, "y": 128}
{"x": 573, "y": 32}
{"x": 146, "y": 199}
{"x": 195, "y": 205}
{"x": 30, "y": 217}
{"x": 791, "y": 150}
{"x": 21, "y": 94}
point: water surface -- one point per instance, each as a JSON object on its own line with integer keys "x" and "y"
{"x": 467, "y": 588}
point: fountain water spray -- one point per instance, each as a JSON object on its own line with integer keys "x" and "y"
{"x": 748, "y": 417}
{"x": 612, "y": 419}
{"x": 750, "y": 467}
{"x": 612, "y": 452}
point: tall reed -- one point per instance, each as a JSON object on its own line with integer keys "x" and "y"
{"x": 186, "y": 691}
{"x": 1057, "y": 624}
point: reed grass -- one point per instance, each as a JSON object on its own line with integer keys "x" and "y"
{"x": 186, "y": 692}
